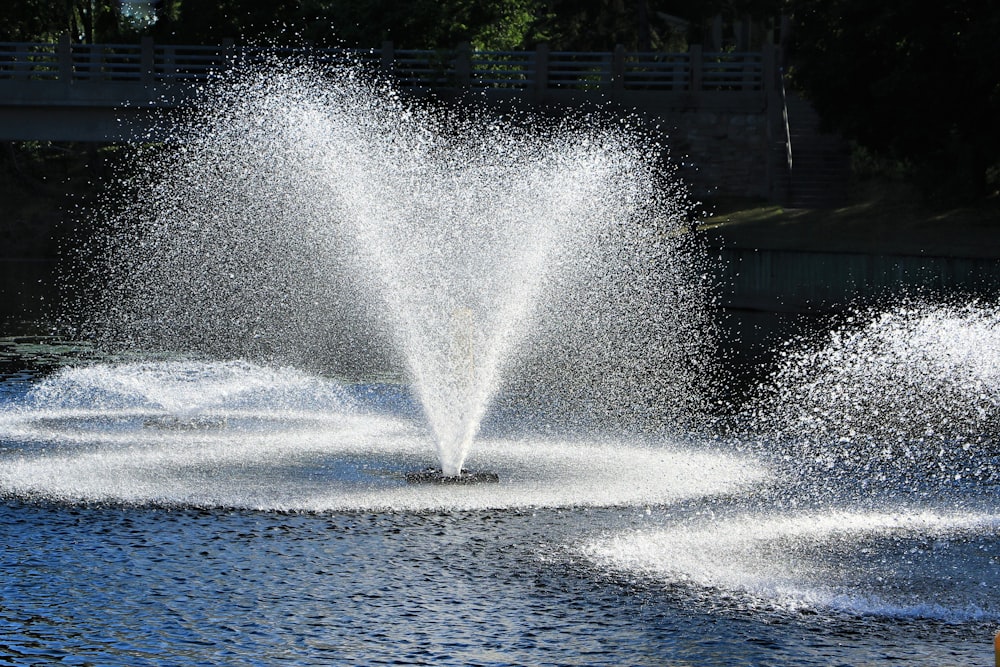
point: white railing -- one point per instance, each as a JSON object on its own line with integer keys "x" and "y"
{"x": 694, "y": 71}
{"x": 784, "y": 120}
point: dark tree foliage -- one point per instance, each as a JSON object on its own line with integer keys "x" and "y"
{"x": 210, "y": 22}
{"x": 414, "y": 24}
{"x": 569, "y": 25}
{"x": 486, "y": 24}
{"x": 642, "y": 25}
{"x": 918, "y": 84}
{"x": 48, "y": 20}
{"x": 410, "y": 24}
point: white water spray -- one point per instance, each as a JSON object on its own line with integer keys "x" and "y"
{"x": 317, "y": 219}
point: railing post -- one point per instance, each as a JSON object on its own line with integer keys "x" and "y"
{"x": 95, "y": 62}
{"x": 541, "y": 72}
{"x": 747, "y": 84}
{"x": 618, "y": 69}
{"x": 678, "y": 74}
{"x": 388, "y": 59}
{"x": 769, "y": 71}
{"x": 22, "y": 61}
{"x": 147, "y": 68}
{"x": 64, "y": 53}
{"x": 169, "y": 62}
{"x": 463, "y": 65}
{"x": 696, "y": 63}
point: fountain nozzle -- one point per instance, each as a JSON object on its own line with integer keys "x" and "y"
{"x": 435, "y": 476}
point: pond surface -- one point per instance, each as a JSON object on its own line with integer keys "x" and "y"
{"x": 242, "y": 537}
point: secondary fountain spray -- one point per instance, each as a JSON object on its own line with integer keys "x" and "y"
{"x": 906, "y": 398}
{"x": 310, "y": 216}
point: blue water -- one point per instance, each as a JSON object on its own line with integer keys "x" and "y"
{"x": 104, "y": 582}
{"x": 156, "y": 586}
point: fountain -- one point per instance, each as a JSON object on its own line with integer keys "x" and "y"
{"x": 328, "y": 315}
{"x": 902, "y": 399}
{"x": 310, "y": 218}
{"x": 882, "y": 440}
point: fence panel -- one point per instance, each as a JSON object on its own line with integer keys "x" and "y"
{"x": 424, "y": 69}
{"x": 20, "y": 60}
{"x": 188, "y": 63}
{"x": 576, "y": 70}
{"x": 503, "y": 69}
{"x": 732, "y": 71}
{"x": 106, "y": 62}
{"x": 657, "y": 71}
{"x": 692, "y": 72}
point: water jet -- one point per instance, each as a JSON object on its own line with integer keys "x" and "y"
{"x": 185, "y": 423}
{"x": 483, "y": 262}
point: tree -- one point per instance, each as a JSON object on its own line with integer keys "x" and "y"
{"x": 48, "y": 20}
{"x": 601, "y": 25}
{"x": 416, "y": 24}
{"x": 915, "y": 85}
{"x": 412, "y": 24}
{"x": 644, "y": 25}
{"x": 210, "y": 22}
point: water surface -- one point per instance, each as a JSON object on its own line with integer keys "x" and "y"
{"x": 243, "y": 558}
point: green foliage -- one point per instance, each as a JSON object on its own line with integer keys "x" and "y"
{"x": 203, "y": 22}
{"x": 47, "y": 20}
{"x": 486, "y": 24}
{"x": 600, "y": 25}
{"x": 505, "y": 25}
{"x": 917, "y": 85}
{"x": 410, "y": 24}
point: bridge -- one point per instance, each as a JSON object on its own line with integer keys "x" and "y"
{"x": 724, "y": 111}
{"x": 107, "y": 92}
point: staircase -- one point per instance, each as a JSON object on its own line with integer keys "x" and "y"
{"x": 821, "y": 168}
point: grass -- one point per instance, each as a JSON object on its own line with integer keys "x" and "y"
{"x": 880, "y": 219}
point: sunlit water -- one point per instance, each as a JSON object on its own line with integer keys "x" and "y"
{"x": 234, "y": 434}
{"x": 182, "y": 512}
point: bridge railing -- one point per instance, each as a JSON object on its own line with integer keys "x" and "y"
{"x": 693, "y": 71}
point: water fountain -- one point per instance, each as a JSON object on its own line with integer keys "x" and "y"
{"x": 308, "y": 217}
{"x": 905, "y": 398}
{"x": 313, "y": 284}
{"x": 883, "y": 445}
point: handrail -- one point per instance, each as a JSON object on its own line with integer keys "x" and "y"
{"x": 784, "y": 116}
{"x": 693, "y": 71}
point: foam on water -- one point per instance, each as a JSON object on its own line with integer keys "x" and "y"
{"x": 889, "y": 424}
{"x": 277, "y": 439}
{"x": 903, "y": 564}
{"x": 183, "y": 388}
